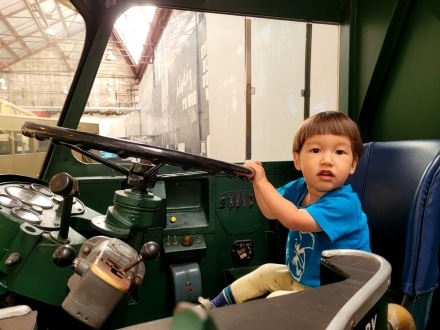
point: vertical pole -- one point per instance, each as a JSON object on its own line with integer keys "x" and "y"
{"x": 308, "y": 64}
{"x": 249, "y": 89}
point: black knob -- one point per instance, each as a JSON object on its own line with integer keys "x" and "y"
{"x": 63, "y": 184}
{"x": 64, "y": 255}
{"x": 150, "y": 251}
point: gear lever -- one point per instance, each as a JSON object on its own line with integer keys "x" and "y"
{"x": 149, "y": 251}
{"x": 65, "y": 185}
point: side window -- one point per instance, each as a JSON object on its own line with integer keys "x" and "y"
{"x": 40, "y": 47}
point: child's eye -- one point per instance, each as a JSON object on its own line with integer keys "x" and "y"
{"x": 340, "y": 152}
{"x": 315, "y": 150}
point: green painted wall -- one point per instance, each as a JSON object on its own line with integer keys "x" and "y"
{"x": 410, "y": 105}
{"x": 395, "y": 68}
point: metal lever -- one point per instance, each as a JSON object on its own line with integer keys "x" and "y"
{"x": 149, "y": 251}
{"x": 65, "y": 185}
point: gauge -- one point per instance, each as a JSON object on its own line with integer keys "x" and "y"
{"x": 26, "y": 215}
{"x": 7, "y": 201}
{"x": 58, "y": 199}
{"x": 29, "y": 196}
{"x": 41, "y": 189}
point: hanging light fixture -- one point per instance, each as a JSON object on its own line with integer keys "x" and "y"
{"x": 3, "y": 84}
{"x": 109, "y": 87}
{"x": 110, "y": 56}
{"x": 50, "y": 32}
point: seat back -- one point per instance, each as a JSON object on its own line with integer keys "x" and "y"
{"x": 388, "y": 180}
{"x": 421, "y": 268}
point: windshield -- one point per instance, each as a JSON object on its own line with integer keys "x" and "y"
{"x": 227, "y": 87}
{"x": 222, "y": 86}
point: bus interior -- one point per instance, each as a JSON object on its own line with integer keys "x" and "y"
{"x": 124, "y": 126}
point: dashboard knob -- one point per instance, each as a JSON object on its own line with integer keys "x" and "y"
{"x": 187, "y": 240}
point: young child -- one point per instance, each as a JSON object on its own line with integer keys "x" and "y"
{"x": 319, "y": 209}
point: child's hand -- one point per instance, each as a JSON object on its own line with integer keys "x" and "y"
{"x": 257, "y": 168}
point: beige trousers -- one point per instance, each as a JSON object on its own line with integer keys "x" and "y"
{"x": 268, "y": 278}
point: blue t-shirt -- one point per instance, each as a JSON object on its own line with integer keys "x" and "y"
{"x": 343, "y": 223}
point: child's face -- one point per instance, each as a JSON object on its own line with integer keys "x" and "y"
{"x": 326, "y": 162}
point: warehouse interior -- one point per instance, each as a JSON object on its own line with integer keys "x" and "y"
{"x": 40, "y": 46}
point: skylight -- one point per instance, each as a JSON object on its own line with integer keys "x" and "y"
{"x": 127, "y": 27}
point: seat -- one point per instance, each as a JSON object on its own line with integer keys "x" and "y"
{"x": 421, "y": 268}
{"x": 398, "y": 183}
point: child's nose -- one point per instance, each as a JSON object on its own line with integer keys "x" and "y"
{"x": 326, "y": 158}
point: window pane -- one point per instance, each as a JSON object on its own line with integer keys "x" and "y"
{"x": 192, "y": 94}
{"x": 278, "y": 69}
{"x": 41, "y": 44}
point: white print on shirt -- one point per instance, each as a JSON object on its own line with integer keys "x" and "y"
{"x": 302, "y": 243}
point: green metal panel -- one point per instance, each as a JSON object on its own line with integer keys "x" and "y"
{"x": 317, "y": 10}
{"x": 393, "y": 72}
{"x": 409, "y": 106}
{"x": 380, "y": 30}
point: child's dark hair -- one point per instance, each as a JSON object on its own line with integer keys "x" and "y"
{"x": 329, "y": 122}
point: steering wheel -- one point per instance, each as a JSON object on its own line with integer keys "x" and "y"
{"x": 82, "y": 142}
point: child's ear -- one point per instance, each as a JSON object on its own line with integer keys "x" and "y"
{"x": 354, "y": 164}
{"x": 296, "y": 161}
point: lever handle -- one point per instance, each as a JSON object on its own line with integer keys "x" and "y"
{"x": 64, "y": 255}
{"x": 149, "y": 251}
{"x": 65, "y": 185}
